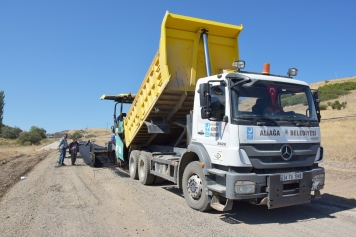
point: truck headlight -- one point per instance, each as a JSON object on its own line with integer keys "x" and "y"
{"x": 245, "y": 187}
{"x": 318, "y": 181}
{"x": 319, "y": 154}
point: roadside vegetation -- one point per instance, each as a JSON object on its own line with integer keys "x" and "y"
{"x": 331, "y": 91}
{"x": 334, "y": 91}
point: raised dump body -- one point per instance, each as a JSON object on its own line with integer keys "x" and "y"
{"x": 167, "y": 92}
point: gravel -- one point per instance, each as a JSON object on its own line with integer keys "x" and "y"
{"x": 71, "y": 201}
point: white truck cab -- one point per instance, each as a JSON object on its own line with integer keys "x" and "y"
{"x": 262, "y": 135}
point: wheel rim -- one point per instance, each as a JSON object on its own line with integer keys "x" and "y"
{"x": 195, "y": 186}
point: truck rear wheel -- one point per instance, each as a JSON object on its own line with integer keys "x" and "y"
{"x": 194, "y": 187}
{"x": 144, "y": 168}
{"x": 133, "y": 160}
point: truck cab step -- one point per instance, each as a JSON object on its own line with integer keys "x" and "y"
{"x": 217, "y": 188}
{"x": 217, "y": 172}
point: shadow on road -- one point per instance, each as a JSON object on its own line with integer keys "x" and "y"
{"x": 173, "y": 189}
{"x": 121, "y": 173}
{"x": 244, "y": 212}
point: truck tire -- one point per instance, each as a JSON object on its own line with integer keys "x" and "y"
{"x": 144, "y": 174}
{"x": 194, "y": 187}
{"x": 133, "y": 160}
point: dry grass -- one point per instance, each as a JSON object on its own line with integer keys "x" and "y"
{"x": 350, "y": 109}
{"x": 338, "y": 139}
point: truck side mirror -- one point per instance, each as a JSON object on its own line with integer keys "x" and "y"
{"x": 204, "y": 96}
{"x": 316, "y": 96}
{"x": 316, "y": 99}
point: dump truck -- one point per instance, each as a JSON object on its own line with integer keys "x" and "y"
{"x": 219, "y": 132}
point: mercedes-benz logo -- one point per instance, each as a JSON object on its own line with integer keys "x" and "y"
{"x": 286, "y": 152}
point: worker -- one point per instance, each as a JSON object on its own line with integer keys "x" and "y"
{"x": 62, "y": 146}
{"x": 73, "y": 150}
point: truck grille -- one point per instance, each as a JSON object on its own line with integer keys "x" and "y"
{"x": 278, "y": 159}
{"x": 264, "y": 156}
{"x": 277, "y": 147}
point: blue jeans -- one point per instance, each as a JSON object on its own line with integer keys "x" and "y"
{"x": 62, "y": 154}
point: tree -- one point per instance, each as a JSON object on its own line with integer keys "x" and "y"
{"x": 32, "y": 137}
{"x": 39, "y": 131}
{"x": 76, "y": 135}
{"x": 10, "y": 132}
{"x": 2, "y": 104}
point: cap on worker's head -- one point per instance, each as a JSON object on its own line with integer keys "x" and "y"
{"x": 74, "y": 139}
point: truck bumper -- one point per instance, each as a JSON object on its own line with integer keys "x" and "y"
{"x": 274, "y": 192}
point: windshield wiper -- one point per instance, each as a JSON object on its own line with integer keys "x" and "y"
{"x": 302, "y": 123}
{"x": 268, "y": 123}
{"x": 258, "y": 119}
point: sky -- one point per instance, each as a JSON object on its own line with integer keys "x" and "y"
{"x": 58, "y": 57}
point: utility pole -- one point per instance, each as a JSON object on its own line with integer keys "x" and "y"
{"x": 344, "y": 103}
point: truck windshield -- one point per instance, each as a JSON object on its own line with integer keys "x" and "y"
{"x": 273, "y": 102}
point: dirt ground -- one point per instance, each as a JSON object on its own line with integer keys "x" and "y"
{"x": 16, "y": 162}
{"x": 84, "y": 201}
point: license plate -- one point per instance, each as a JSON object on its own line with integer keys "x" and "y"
{"x": 291, "y": 176}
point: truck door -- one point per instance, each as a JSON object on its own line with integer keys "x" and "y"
{"x": 213, "y": 132}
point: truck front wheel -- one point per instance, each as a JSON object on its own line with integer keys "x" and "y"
{"x": 194, "y": 187}
{"x": 133, "y": 162}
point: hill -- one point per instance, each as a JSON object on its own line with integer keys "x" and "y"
{"x": 350, "y": 99}
{"x": 97, "y": 135}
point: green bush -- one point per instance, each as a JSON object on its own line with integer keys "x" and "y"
{"x": 31, "y": 137}
{"x": 27, "y": 143}
{"x": 334, "y": 91}
{"x": 10, "y": 132}
{"x": 337, "y": 105}
{"x": 76, "y": 135}
{"x": 40, "y": 131}
{"x": 323, "y": 107}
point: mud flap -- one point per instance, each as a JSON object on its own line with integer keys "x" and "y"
{"x": 276, "y": 197}
{"x": 215, "y": 203}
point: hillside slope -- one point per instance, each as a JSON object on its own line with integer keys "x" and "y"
{"x": 350, "y": 99}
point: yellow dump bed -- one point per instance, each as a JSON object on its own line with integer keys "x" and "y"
{"x": 167, "y": 91}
